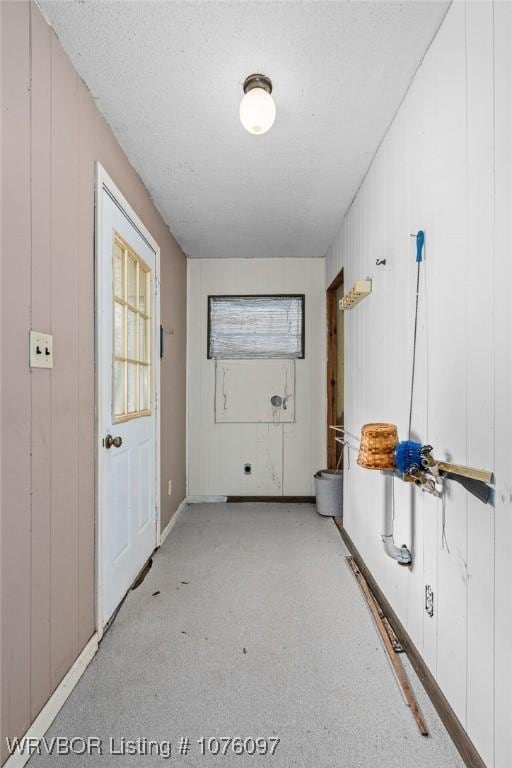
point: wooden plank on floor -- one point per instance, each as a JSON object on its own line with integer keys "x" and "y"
{"x": 459, "y": 736}
{"x": 396, "y": 664}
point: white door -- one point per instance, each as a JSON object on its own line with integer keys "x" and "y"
{"x": 126, "y": 337}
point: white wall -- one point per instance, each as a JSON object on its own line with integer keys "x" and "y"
{"x": 283, "y": 458}
{"x": 435, "y": 171}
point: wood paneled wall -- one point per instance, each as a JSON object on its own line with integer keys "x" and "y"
{"x": 284, "y": 457}
{"x": 52, "y": 134}
{"x": 445, "y": 166}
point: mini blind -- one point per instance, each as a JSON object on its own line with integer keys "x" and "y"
{"x": 256, "y": 326}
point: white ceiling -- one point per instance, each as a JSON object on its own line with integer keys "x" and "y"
{"x": 168, "y": 78}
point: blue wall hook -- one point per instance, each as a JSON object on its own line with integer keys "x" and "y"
{"x": 420, "y": 241}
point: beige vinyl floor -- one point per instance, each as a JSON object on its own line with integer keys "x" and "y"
{"x": 249, "y": 626}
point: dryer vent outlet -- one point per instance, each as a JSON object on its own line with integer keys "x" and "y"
{"x": 247, "y": 469}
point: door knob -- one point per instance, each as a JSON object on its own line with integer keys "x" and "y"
{"x": 110, "y": 441}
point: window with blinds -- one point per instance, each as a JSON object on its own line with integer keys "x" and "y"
{"x": 256, "y": 326}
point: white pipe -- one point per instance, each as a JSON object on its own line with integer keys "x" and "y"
{"x": 402, "y": 555}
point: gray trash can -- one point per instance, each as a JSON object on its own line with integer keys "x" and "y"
{"x": 329, "y": 492}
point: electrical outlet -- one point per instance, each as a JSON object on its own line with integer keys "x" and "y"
{"x": 247, "y": 469}
{"x": 429, "y": 600}
{"x": 169, "y": 487}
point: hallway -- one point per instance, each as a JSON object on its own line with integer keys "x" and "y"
{"x": 249, "y": 624}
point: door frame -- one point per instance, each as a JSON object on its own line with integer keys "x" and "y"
{"x": 332, "y": 358}
{"x": 104, "y": 182}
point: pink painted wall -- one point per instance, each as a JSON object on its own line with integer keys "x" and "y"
{"x": 52, "y": 134}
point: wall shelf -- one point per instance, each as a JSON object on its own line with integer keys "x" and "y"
{"x": 360, "y": 290}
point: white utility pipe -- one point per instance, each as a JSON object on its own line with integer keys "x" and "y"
{"x": 402, "y": 555}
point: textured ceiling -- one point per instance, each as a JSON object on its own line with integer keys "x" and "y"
{"x": 168, "y": 78}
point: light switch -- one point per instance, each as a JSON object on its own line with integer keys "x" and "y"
{"x": 41, "y": 350}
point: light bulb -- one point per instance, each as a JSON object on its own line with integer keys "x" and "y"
{"x": 257, "y": 111}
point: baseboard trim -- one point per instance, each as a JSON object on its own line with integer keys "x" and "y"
{"x": 172, "y": 522}
{"x": 55, "y": 703}
{"x": 212, "y": 499}
{"x": 458, "y": 734}
{"x": 272, "y": 499}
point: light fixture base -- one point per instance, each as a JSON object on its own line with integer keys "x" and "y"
{"x": 257, "y": 81}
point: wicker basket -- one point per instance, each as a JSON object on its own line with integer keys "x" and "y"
{"x": 377, "y": 449}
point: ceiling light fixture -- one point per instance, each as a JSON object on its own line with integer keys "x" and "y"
{"x": 257, "y": 108}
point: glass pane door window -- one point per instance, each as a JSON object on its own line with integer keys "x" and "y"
{"x": 132, "y": 342}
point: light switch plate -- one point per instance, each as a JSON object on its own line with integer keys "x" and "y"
{"x": 41, "y": 350}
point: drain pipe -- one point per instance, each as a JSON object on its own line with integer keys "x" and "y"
{"x": 402, "y": 555}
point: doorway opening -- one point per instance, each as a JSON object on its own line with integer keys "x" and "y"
{"x": 335, "y": 371}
